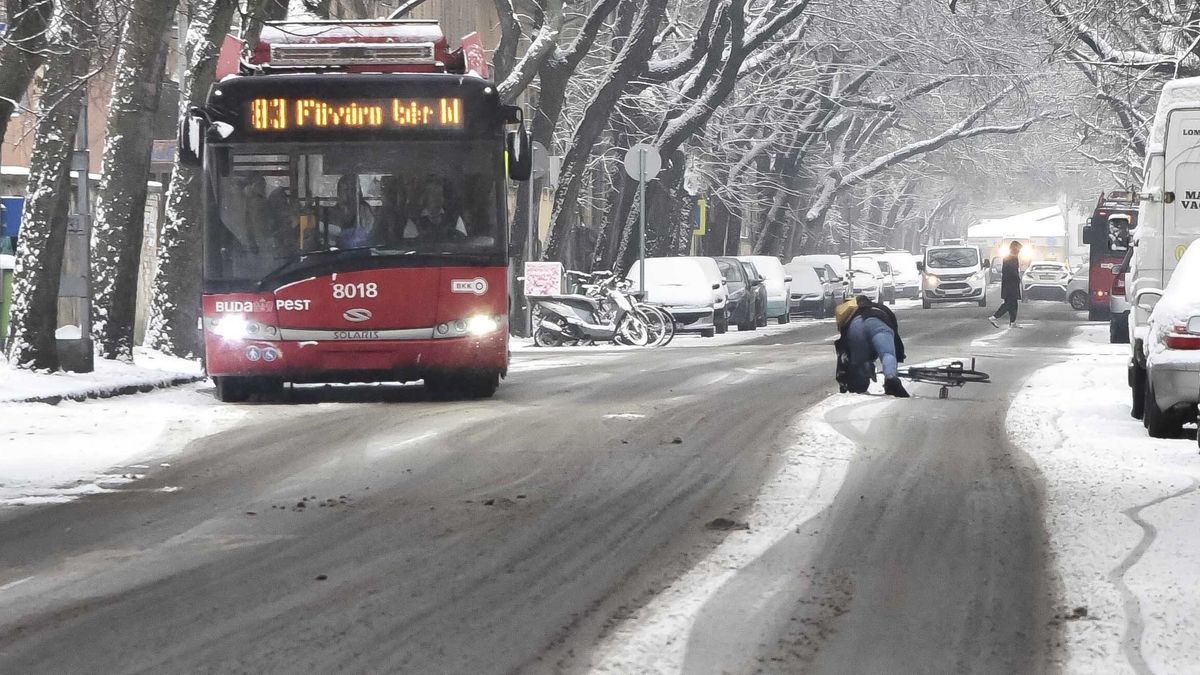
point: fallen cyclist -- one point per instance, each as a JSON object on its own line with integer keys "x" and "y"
{"x": 869, "y": 331}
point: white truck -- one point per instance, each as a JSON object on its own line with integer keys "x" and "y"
{"x": 1168, "y": 216}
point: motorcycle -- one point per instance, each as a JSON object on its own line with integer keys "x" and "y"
{"x": 580, "y": 319}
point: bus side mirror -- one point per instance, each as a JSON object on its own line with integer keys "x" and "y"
{"x": 920, "y": 266}
{"x": 193, "y": 127}
{"x": 520, "y": 155}
{"x": 987, "y": 262}
{"x": 1087, "y": 234}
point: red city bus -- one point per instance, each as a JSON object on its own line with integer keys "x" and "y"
{"x": 355, "y": 215}
{"x": 1107, "y": 235}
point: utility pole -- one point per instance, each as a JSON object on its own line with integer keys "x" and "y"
{"x": 76, "y": 354}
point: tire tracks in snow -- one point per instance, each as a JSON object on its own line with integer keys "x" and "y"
{"x": 1135, "y": 627}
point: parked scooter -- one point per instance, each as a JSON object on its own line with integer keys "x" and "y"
{"x": 579, "y": 319}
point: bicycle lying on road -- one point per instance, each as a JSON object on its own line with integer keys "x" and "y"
{"x": 951, "y": 374}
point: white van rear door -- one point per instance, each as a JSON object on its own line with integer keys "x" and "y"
{"x": 1181, "y": 219}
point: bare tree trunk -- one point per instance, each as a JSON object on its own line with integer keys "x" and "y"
{"x": 175, "y": 306}
{"x": 44, "y": 223}
{"x": 21, "y": 53}
{"x": 121, "y": 202}
{"x": 629, "y": 61}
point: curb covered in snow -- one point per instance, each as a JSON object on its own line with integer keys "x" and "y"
{"x": 110, "y": 391}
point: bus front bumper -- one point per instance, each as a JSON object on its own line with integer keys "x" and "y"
{"x": 357, "y": 361}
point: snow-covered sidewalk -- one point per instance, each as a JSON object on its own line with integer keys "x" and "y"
{"x": 1122, "y": 516}
{"x": 150, "y": 370}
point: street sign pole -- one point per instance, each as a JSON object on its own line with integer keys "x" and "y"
{"x": 642, "y": 163}
{"x": 642, "y": 209}
{"x": 540, "y": 164}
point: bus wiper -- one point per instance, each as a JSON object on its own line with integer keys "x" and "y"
{"x": 301, "y": 257}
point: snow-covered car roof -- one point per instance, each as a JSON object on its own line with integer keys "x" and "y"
{"x": 1180, "y": 302}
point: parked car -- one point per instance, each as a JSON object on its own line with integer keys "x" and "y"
{"x": 808, "y": 293}
{"x": 834, "y": 262}
{"x": 740, "y": 309}
{"x": 953, "y": 273}
{"x": 907, "y": 276}
{"x": 836, "y": 292}
{"x": 1045, "y": 280}
{"x": 1077, "y": 288}
{"x": 779, "y": 285}
{"x": 867, "y": 278}
{"x": 1118, "y": 304}
{"x": 865, "y": 281}
{"x": 1173, "y": 348}
{"x": 690, "y": 288}
{"x": 759, "y": 284}
{"x": 870, "y": 261}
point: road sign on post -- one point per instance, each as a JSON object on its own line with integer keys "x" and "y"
{"x": 700, "y": 218}
{"x": 540, "y": 163}
{"x": 642, "y": 163}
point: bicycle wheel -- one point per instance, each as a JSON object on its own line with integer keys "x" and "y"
{"x": 657, "y": 325}
{"x": 669, "y": 320}
{"x": 634, "y": 330}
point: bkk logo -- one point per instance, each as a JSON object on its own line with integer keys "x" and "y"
{"x": 477, "y": 286}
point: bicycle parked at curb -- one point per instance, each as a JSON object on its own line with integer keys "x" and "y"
{"x": 605, "y": 312}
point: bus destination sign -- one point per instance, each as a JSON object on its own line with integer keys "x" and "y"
{"x": 279, "y": 114}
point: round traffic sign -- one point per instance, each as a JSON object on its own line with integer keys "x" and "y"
{"x": 643, "y": 162}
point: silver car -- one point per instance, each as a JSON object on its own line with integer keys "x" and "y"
{"x": 1077, "y": 288}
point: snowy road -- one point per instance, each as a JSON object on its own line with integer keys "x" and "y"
{"x": 571, "y": 525}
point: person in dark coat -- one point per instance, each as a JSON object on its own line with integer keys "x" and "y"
{"x": 872, "y": 332}
{"x": 1010, "y": 286}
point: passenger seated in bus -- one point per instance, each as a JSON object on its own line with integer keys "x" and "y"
{"x": 257, "y": 219}
{"x": 351, "y": 220}
{"x": 392, "y": 217}
{"x": 434, "y": 221}
{"x": 285, "y": 220}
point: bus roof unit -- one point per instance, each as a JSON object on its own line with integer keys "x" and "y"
{"x": 355, "y": 46}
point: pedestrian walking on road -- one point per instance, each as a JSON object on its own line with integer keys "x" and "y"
{"x": 1010, "y": 286}
{"x": 869, "y": 331}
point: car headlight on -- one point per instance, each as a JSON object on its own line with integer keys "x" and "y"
{"x": 933, "y": 279}
{"x": 978, "y": 276}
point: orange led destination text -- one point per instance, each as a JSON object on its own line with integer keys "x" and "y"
{"x": 282, "y": 114}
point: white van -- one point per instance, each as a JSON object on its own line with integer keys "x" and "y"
{"x": 905, "y": 272}
{"x": 691, "y": 288}
{"x": 953, "y": 273}
{"x": 779, "y": 285}
{"x": 1168, "y": 215}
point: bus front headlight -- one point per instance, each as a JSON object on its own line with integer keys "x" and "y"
{"x": 235, "y": 327}
{"x": 481, "y": 325}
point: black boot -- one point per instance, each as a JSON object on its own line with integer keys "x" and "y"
{"x": 892, "y": 387}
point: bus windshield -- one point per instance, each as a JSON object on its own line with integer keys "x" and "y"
{"x": 950, "y": 258}
{"x": 276, "y": 207}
